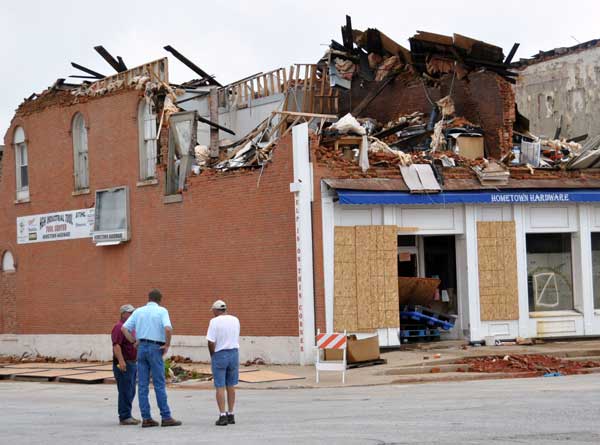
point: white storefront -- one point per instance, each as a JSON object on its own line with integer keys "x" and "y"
{"x": 557, "y": 242}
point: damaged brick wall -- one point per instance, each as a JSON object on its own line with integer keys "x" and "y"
{"x": 484, "y": 98}
{"x": 230, "y": 238}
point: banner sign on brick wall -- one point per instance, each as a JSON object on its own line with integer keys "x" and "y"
{"x": 57, "y": 226}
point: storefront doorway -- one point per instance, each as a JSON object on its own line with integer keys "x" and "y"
{"x": 432, "y": 260}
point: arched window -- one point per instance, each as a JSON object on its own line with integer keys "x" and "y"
{"x": 8, "y": 262}
{"x": 80, "y": 153}
{"x": 22, "y": 165}
{"x": 147, "y": 140}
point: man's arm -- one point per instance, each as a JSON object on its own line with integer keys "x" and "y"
{"x": 168, "y": 333}
{"x": 119, "y": 355}
{"x": 211, "y": 347}
{"x": 128, "y": 326}
{"x": 127, "y": 334}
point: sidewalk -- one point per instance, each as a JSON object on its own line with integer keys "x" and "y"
{"x": 414, "y": 364}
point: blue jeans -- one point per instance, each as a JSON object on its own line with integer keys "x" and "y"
{"x": 126, "y": 387}
{"x": 225, "y": 365}
{"x": 150, "y": 361}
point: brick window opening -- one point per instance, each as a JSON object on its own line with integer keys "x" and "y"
{"x": 80, "y": 153}
{"x": 21, "y": 164}
{"x": 8, "y": 262}
{"x": 147, "y": 140}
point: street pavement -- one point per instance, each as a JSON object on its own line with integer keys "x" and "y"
{"x": 538, "y": 411}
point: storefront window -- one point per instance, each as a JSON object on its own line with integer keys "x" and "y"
{"x": 549, "y": 272}
{"x": 596, "y": 268}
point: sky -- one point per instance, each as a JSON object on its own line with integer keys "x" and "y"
{"x": 233, "y": 39}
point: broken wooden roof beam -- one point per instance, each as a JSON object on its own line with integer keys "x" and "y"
{"x": 191, "y": 65}
{"x": 511, "y": 54}
{"x": 347, "y": 39}
{"x": 96, "y": 74}
{"x": 196, "y": 96}
{"x": 118, "y": 65}
{"x": 214, "y": 125}
{"x": 74, "y": 76}
{"x": 122, "y": 63}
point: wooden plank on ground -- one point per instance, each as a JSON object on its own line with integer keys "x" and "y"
{"x": 43, "y": 365}
{"x": 97, "y": 367}
{"x": 7, "y": 372}
{"x": 205, "y": 369}
{"x": 51, "y": 373}
{"x": 266, "y": 376}
{"x": 88, "y": 377}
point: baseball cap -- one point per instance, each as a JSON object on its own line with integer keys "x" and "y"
{"x": 127, "y": 308}
{"x": 219, "y": 305}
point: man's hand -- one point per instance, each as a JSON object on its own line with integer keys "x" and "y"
{"x": 165, "y": 348}
{"x": 122, "y": 366}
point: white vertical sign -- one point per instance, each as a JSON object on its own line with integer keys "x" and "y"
{"x": 302, "y": 189}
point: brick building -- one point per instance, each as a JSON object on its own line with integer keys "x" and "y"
{"x": 284, "y": 223}
{"x": 200, "y": 248}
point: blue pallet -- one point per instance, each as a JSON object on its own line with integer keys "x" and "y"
{"x": 418, "y": 316}
{"x": 426, "y": 311}
{"x": 414, "y": 333}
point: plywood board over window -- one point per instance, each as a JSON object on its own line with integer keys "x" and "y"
{"x": 366, "y": 278}
{"x": 497, "y": 256}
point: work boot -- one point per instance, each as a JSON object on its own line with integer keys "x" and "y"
{"x": 230, "y": 419}
{"x": 222, "y": 421}
{"x": 170, "y": 422}
{"x": 130, "y": 421}
{"x": 148, "y": 423}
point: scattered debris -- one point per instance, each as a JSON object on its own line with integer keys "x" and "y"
{"x": 529, "y": 365}
{"x": 256, "y": 361}
{"x": 492, "y": 174}
{"x": 369, "y": 64}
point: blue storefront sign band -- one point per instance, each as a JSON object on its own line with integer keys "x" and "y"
{"x": 367, "y": 197}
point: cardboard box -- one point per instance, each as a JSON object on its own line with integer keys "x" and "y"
{"x": 358, "y": 350}
{"x": 470, "y": 147}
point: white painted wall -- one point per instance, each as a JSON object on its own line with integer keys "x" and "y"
{"x": 240, "y": 121}
{"x": 430, "y": 220}
{"x": 578, "y": 219}
{"x": 302, "y": 188}
{"x": 276, "y": 350}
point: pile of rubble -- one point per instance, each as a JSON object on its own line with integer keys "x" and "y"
{"x": 365, "y": 63}
{"x": 529, "y": 364}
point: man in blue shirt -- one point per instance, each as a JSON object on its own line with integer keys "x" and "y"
{"x": 153, "y": 329}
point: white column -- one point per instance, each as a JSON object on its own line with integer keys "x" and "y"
{"x": 582, "y": 266}
{"x": 462, "y": 290}
{"x": 302, "y": 189}
{"x": 389, "y": 215}
{"x": 327, "y": 215}
{"x": 519, "y": 215}
{"x": 473, "y": 273}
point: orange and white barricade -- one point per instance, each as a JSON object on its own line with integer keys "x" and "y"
{"x": 334, "y": 340}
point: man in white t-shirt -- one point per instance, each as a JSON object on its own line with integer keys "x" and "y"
{"x": 223, "y": 344}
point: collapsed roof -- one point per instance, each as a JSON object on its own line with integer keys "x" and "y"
{"x": 359, "y": 77}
